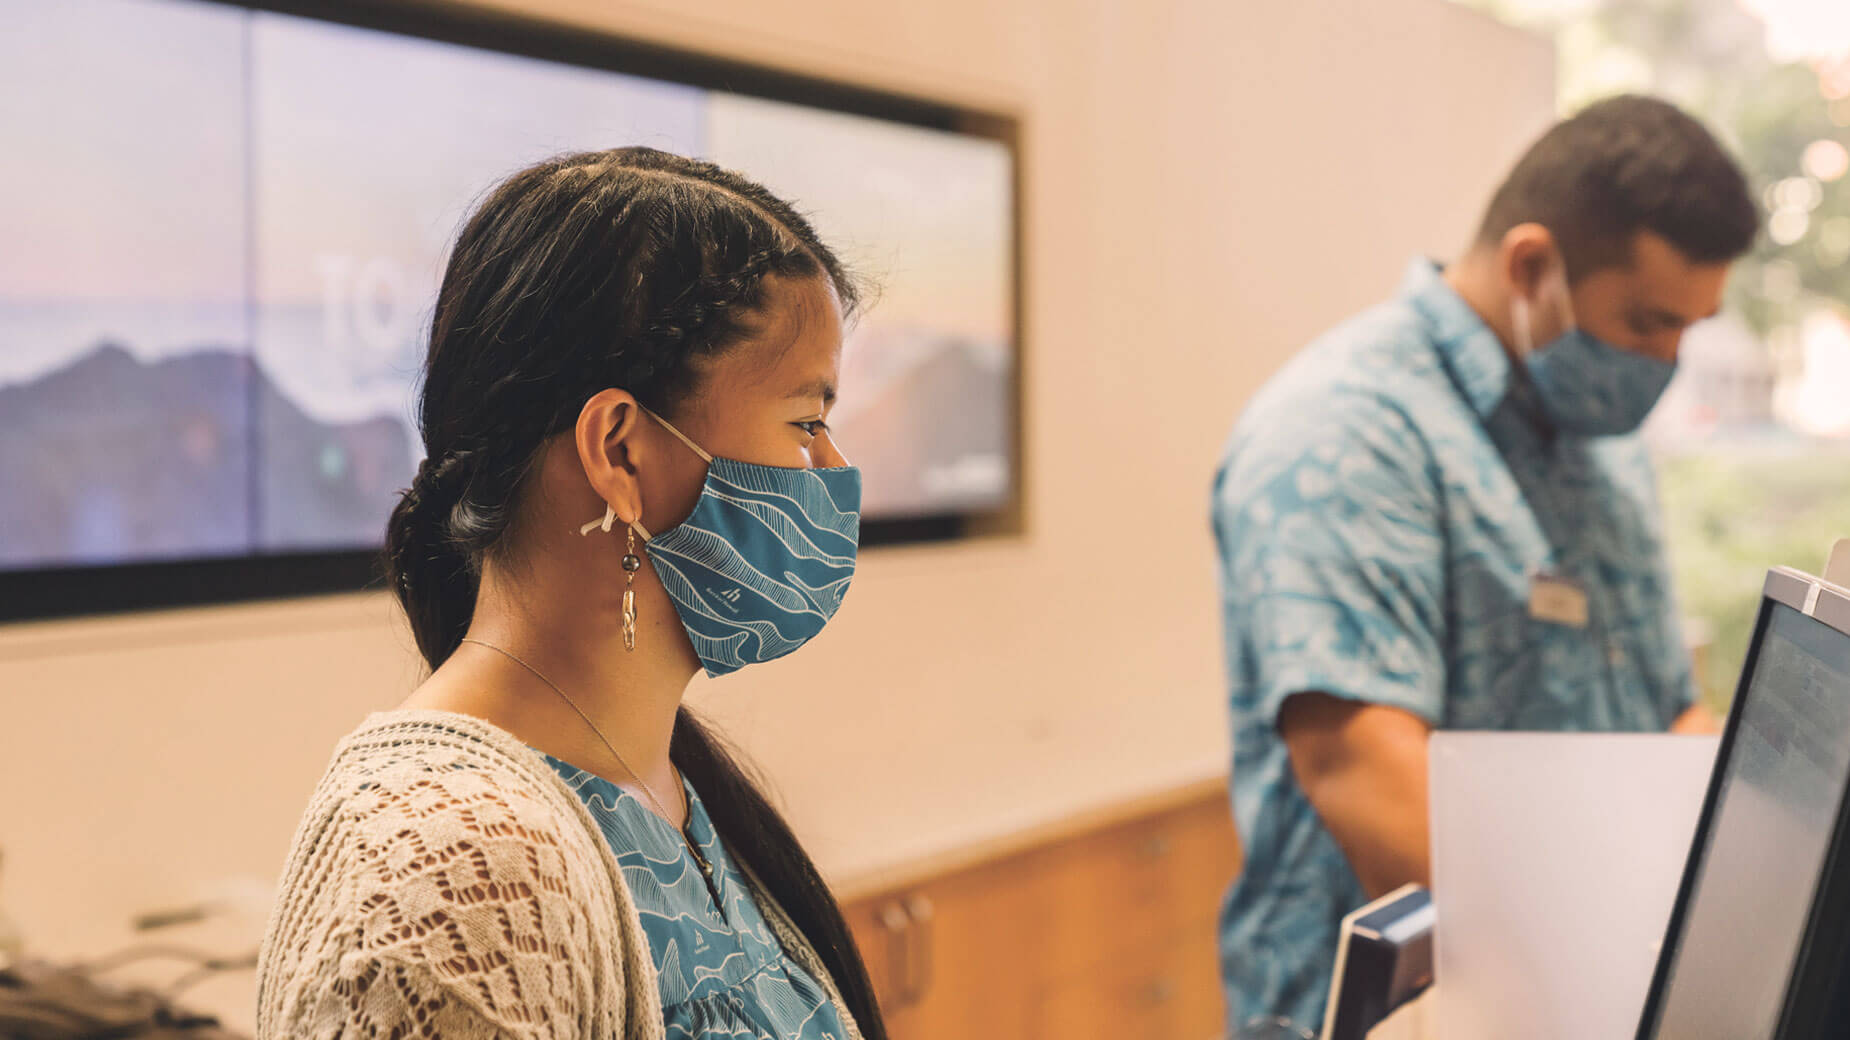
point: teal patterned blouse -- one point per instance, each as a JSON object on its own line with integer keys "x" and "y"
{"x": 722, "y": 971}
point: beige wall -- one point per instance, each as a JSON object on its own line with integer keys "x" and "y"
{"x": 1207, "y": 184}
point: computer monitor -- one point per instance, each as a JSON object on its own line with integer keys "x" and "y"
{"x": 1757, "y": 941}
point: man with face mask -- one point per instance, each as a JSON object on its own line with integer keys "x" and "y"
{"x": 1436, "y": 516}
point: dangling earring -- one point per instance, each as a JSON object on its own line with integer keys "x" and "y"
{"x": 631, "y": 564}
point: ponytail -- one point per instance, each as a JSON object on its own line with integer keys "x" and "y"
{"x": 430, "y": 574}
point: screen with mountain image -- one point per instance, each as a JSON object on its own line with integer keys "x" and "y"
{"x": 125, "y": 421}
{"x": 361, "y": 180}
{"x": 235, "y": 224}
{"x": 925, "y": 215}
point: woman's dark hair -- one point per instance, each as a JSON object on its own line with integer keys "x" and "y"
{"x": 620, "y": 268}
{"x": 1623, "y": 165}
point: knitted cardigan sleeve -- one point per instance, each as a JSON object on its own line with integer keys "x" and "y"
{"x": 429, "y": 894}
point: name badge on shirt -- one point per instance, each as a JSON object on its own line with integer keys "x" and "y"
{"x": 1558, "y": 600}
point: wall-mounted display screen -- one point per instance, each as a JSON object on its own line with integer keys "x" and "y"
{"x": 224, "y": 230}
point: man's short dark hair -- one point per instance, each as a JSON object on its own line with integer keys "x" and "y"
{"x": 1624, "y": 165}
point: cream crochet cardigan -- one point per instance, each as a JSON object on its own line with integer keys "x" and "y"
{"x": 444, "y": 882}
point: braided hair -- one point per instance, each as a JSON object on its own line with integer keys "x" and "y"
{"x": 624, "y": 268}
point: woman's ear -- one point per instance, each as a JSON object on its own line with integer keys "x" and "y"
{"x": 610, "y": 450}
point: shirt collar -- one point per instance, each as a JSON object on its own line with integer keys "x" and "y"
{"x": 1473, "y": 356}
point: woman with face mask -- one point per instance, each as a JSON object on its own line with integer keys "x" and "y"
{"x": 630, "y": 479}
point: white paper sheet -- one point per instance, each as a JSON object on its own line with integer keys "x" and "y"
{"x": 1556, "y": 860}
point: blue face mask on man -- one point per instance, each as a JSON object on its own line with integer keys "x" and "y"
{"x": 763, "y": 561}
{"x": 1588, "y": 386}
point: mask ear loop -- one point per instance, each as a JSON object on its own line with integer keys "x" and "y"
{"x": 1567, "y": 300}
{"x": 609, "y": 518}
{"x": 704, "y": 457}
{"x": 1520, "y": 314}
{"x": 1519, "y": 326}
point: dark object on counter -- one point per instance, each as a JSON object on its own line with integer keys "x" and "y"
{"x": 40, "y": 1000}
{"x": 1384, "y": 958}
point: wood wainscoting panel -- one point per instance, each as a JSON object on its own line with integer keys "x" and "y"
{"x": 1106, "y": 928}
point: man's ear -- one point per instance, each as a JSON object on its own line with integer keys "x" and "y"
{"x": 610, "y": 450}
{"x": 1528, "y": 255}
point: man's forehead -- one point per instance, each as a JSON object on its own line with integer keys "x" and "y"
{"x": 1653, "y": 254}
{"x": 1660, "y": 278}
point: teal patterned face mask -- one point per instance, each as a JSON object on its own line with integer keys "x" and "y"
{"x": 1592, "y": 388}
{"x": 1586, "y": 385}
{"x": 763, "y": 561}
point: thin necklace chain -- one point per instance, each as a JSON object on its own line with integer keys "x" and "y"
{"x": 646, "y": 789}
